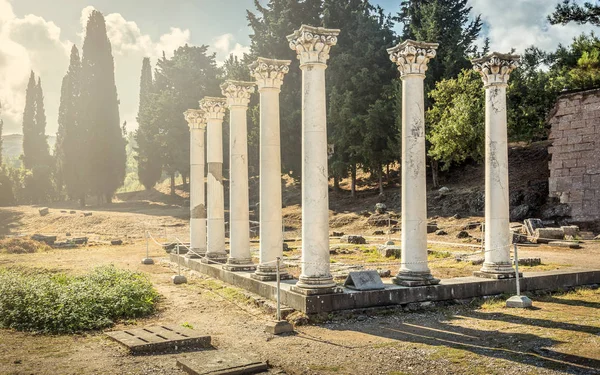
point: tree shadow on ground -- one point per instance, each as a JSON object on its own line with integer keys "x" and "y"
{"x": 9, "y": 220}
{"x": 525, "y": 348}
{"x": 570, "y": 302}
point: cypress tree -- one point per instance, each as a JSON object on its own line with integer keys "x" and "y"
{"x": 29, "y": 143}
{"x": 68, "y": 152}
{"x": 99, "y": 113}
{"x": 42, "y": 152}
{"x": 148, "y": 149}
{"x": 1, "y": 126}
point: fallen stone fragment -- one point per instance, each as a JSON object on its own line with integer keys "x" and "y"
{"x": 44, "y": 211}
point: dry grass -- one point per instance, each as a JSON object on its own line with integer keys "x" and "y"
{"x": 22, "y": 246}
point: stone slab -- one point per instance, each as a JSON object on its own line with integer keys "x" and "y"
{"x": 393, "y": 295}
{"x": 364, "y": 280}
{"x": 217, "y": 362}
{"x": 521, "y": 302}
{"x": 159, "y": 338}
{"x": 277, "y": 327}
{"x": 570, "y": 245}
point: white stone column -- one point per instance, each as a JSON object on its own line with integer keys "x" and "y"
{"x": 238, "y": 96}
{"x": 269, "y": 75}
{"x": 412, "y": 59}
{"x": 495, "y": 70}
{"x": 197, "y": 124}
{"x": 312, "y": 45}
{"x": 214, "y": 112}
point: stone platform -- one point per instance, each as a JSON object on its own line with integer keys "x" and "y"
{"x": 392, "y": 295}
{"x": 159, "y": 338}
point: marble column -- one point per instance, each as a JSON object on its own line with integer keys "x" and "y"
{"x": 238, "y": 96}
{"x": 412, "y": 59}
{"x": 495, "y": 70}
{"x": 197, "y": 124}
{"x": 269, "y": 75}
{"x": 214, "y": 112}
{"x": 312, "y": 45}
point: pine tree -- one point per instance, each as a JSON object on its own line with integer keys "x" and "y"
{"x": 360, "y": 112}
{"x": 99, "y": 113}
{"x": 271, "y": 24}
{"x": 29, "y": 131}
{"x": 69, "y": 153}
{"x": 148, "y": 148}
{"x": 447, "y": 22}
{"x": 570, "y": 11}
{"x": 179, "y": 81}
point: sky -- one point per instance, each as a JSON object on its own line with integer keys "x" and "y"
{"x": 38, "y": 34}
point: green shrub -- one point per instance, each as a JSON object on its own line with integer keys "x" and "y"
{"x": 59, "y": 303}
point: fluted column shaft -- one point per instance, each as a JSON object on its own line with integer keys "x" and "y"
{"x": 495, "y": 71}
{"x": 312, "y": 45}
{"x": 197, "y": 126}
{"x": 214, "y": 109}
{"x": 412, "y": 59}
{"x": 238, "y": 96}
{"x": 269, "y": 75}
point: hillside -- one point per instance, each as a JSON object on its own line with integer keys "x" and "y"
{"x": 12, "y": 145}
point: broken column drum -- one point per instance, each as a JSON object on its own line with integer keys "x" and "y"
{"x": 312, "y": 45}
{"x": 197, "y": 124}
{"x": 269, "y": 75}
{"x": 412, "y": 59}
{"x": 214, "y": 112}
{"x": 238, "y": 96}
{"x": 495, "y": 70}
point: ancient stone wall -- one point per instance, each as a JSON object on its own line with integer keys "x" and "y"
{"x": 575, "y": 150}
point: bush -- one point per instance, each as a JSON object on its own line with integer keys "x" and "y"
{"x": 21, "y": 246}
{"x": 59, "y": 303}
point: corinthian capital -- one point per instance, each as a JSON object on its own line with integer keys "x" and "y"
{"x": 213, "y": 108}
{"x": 195, "y": 119}
{"x": 412, "y": 57}
{"x": 495, "y": 68}
{"x": 312, "y": 44}
{"x": 269, "y": 72}
{"x": 237, "y": 92}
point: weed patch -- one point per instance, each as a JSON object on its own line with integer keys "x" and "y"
{"x": 60, "y": 303}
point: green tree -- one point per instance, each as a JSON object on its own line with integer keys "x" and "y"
{"x": 447, "y": 22}
{"x": 457, "y": 120}
{"x": 43, "y": 153}
{"x": 569, "y": 11}
{"x": 270, "y": 25}
{"x": 69, "y": 153}
{"x": 576, "y": 66}
{"x": 149, "y": 166}
{"x": 360, "y": 79}
{"x": 1, "y": 126}
{"x": 99, "y": 113}
{"x": 180, "y": 82}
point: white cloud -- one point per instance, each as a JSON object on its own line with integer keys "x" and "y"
{"x": 28, "y": 43}
{"x": 32, "y": 43}
{"x": 523, "y": 23}
{"x": 225, "y": 45}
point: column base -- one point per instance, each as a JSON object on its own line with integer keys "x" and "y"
{"x": 214, "y": 258}
{"x": 496, "y": 271}
{"x": 269, "y": 273}
{"x": 236, "y": 265}
{"x": 407, "y": 278}
{"x": 496, "y": 275}
{"x": 315, "y": 291}
{"x": 195, "y": 254}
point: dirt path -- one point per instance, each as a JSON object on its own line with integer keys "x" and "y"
{"x": 562, "y": 335}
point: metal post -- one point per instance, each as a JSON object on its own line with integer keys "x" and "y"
{"x": 278, "y": 291}
{"x": 178, "y": 260}
{"x": 147, "y": 239}
{"x": 518, "y": 300}
{"x": 517, "y": 269}
{"x": 482, "y": 237}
